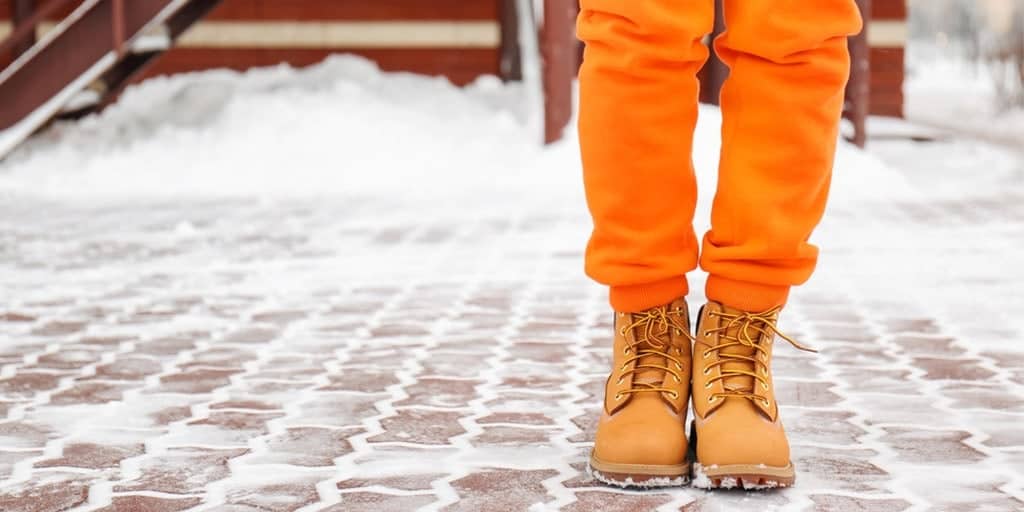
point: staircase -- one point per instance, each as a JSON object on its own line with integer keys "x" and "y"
{"x": 85, "y": 60}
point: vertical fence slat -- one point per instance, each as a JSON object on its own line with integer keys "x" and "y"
{"x": 858, "y": 89}
{"x": 21, "y": 11}
{"x": 558, "y": 54}
{"x": 511, "y": 52}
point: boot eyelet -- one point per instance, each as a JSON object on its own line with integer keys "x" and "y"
{"x": 619, "y": 382}
{"x": 678, "y": 366}
{"x": 707, "y": 386}
{"x": 677, "y": 379}
{"x": 674, "y": 395}
{"x": 711, "y": 399}
{"x": 618, "y": 397}
{"x": 764, "y": 386}
{"x": 707, "y": 354}
{"x": 679, "y": 332}
{"x": 707, "y": 333}
{"x": 766, "y": 402}
{"x": 707, "y": 371}
{"x": 626, "y": 351}
{"x": 622, "y": 331}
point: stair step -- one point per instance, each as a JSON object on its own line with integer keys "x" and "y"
{"x": 156, "y": 39}
{"x": 85, "y": 99}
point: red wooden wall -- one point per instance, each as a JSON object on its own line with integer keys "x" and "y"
{"x": 887, "y": 60}
{"x": 461, "y": 65}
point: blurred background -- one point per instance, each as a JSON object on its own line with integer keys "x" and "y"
{"x": 326, "y": 255}
{"x": 912, "y": 56}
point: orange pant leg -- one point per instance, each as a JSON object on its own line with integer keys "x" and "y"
{"x": 638, "y": 110}
{"x": 781, "y": 105}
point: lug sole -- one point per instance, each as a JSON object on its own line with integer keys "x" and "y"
{"x": 743, "y": 476}
{"x": 639, "y": 475}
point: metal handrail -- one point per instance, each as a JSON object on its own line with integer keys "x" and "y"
{"x": 28, "y": 26}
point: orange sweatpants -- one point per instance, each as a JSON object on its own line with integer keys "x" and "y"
{"x": 781, "y": 105}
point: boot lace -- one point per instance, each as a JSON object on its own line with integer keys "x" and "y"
{"x": 752, "y": 330}
{"x": 652, "y": 343}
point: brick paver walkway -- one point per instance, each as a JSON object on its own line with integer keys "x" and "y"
{"x": 239, "y": 355}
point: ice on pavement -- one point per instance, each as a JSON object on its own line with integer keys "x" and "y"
{"x": 338, "y": 287}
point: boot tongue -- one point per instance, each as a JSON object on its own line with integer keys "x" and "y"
{"x": 649, "y": 375}
{"x": 739, "y": 382}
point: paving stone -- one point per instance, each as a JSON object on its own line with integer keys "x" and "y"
{"x": 878, "y": 380}
{"x": 437, "y": 392}
{"x": 274, "y": 497}
{"x": 336, "y": 409}
{"x": 92, "y": 456}
{"x": 822, "y": 427}
{"x": 25, "y": 385}
{"x": 517, "y": 490}
{"x": 833, "y": 503}
{"x": 169, "y": 346}
{"x": 306, "y": 446}
{"x": 513, "y": 436}
{"x": 21, "y": 434}
{"x": 376, "y": 502}
{"x": 813, "y": 394}
{"x": 69, "y": 358}
{"x": 595, "y": 501}
{"x": 196, "y": 381}
{"x": 223, "y": 429}
{"x": 367, "y": 380}
{"x": 405, "y": 362}
{"x": 846, "y": 470}
{"x": 409, "y": 482}
{"x": 931, "y": 446}
{"x": 420, "y": 426}
{"x": 89, "y": 393}
{"x": 16, "y": 317}
{"x": 149, "y": 504}
{"x": 953, "y": 369}
{"x": 181, "y": 471}
{"x": 517, "y": 418}
{"x": 47, "y": 492}
{"x": 129, "y": 368}
{"x": 59, "y": 328}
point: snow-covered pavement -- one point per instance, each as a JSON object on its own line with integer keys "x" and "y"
{"x": 339, "y": 290}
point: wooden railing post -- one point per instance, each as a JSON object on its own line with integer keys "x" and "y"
{"x": 117, "y": 25}
{"x": 858, "y": 89}
{"x": 558, "y": 55}
{"x": 511, "y": 52}
{"x": 715, "y": 71}
{"x": 22, "y": 10}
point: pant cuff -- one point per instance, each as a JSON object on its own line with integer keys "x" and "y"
{"x": 638, "y": 297}
{"x": 744, "y": 295}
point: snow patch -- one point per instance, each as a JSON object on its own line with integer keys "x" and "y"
{"x": 701, "y": 480}
{"x": 630, "y": 483}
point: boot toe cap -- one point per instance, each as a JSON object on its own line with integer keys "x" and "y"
{"x": 752, "y": 440}
{"x": 641, "y": 442}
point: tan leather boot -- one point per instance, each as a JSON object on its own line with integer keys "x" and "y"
{"x": 641, "y": 436}
{"x": 740, "y": 439}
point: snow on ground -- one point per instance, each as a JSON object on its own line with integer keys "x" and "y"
{"x": 958, "y": 94}
{"x": 336, "y": 289}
